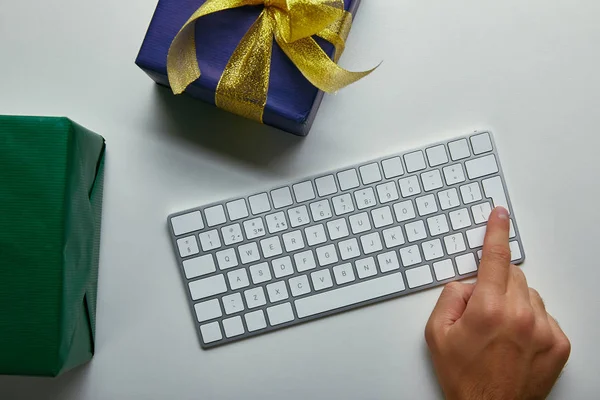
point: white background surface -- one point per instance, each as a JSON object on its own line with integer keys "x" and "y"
{"x": 526, "y": 70}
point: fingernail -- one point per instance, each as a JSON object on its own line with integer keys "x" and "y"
{"x": 502, "y": 212}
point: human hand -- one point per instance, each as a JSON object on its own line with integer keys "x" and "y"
{"x": 493, "y": 339}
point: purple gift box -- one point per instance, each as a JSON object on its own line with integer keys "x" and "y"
{"x": 292, "y": 101}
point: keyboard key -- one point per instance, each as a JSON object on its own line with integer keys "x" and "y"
{"x": 210, "y": 240}
{"x": 343, "y": 274}
{"x": 276, "y": 222}
{"x": 188, "y": 246}
{"x": 365, "y": 198}
{"x": 277, "y": 292}
{"x": 387, "y": 192}
{"x": 282, "y": 267}
{"x": 371, "y": 243}
{"x": 233, "y": 326}
{"x": 233, "y": 303}
{"x": 255, "y": 297}
{"x": 438, "y": 225}
{"x": 271, "y": 247}
{"x": 349, "y": 295}
{"x": 426, "y": 205}
{"x": 481, "y": 166}
{"x": 298, "y": 216}
{"x": 260, "y": 273}
{"x": 259, "y": 203}
{"x": 415, "y": 231}
{"x": 299, "y": 285}
{"x": 208, "y": 310}
{"x": 343, "y": 204}
{"x": 315, "y": 235}
{"x": 255, "y": 321}
{"x": 414, "y": 161}
{"x": 432, "y": 250}
{"x": 392, "y": 167}
{"x": 320, "y": 210}
{"x": 365, "y": 267}
{"x": 211, "y": 332}
{"x": 232, "y": 234}
{"x": 459, "y": 149}
{"x": 370, "y": 173}
{"x": 404, "y": 211}
{"x": 321, "y": 279}
{"x": 437, "y": 155}
{"x": 237, "y": 209}
{"x": 304, "y": 191}
{"x": 293, "y": 241}
{"x": 481, "y": 143}
{"x": 227, "y": 259}
{"x": 305, "y": 261}
{"x": 254, "y": 228}
{"x": 199, "y": 266}
{"x": 515, "y": 251}
{"x": 382, "y": 217}
{"x": 419, "y": 276}
{"x": 470, "y": 193}
{"x": 281, "y": 197}
{"x": 475, "y": 237}
{"x": 493, "y": 188}
{"x": 388, "y": 261}
{"x": 348, "y": 179}
{"x": 466, "y": 264}
{"x": 215, "y": 215}
{"x": 249, "y": 253}
{"x": 454, "y": 174}
{"x": 409, "y": 186}
{"x": 460, "y": 219}
{"x": 327, "y": 255}
{"x": 238, "y": 279}
{"x": 448, "y": 199}
{"x": 432, "y": 180}
{"x": 410, "y": 256}
{"x": 512, "y": 232}
{"x": 280, "y": 314}
{"x": 393, "y": 237}
{"x": 455, "y": 243}
{"x": 481, "y": 212}
{"x": 187, "y": 223}
{"x": 349, "y": 249}
{"x": 326, "y": 185}
{"x": 443, "y": 270}
{"x": 360, "y": 223}
{"x": 337, "y": 229}
{"x": 207, "y": 287}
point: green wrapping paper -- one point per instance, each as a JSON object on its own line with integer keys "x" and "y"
{"x": 51, "y": 182}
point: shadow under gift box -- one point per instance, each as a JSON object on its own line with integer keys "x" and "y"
{"x": 292, "y": 101}
{"x": 51, "y": 182}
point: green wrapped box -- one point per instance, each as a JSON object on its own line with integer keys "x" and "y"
{"x": 51, "y": 181}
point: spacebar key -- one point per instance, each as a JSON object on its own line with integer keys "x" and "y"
{"x": 349, "y": 295}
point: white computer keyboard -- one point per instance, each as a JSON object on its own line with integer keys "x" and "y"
{"x": 340, "y": 240}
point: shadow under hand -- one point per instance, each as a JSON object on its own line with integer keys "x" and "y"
{"x": 206, "y": 126}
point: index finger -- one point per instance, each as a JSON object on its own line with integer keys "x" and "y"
{"x": 494, "y": 269}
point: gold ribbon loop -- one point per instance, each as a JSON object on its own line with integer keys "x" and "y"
{"x": 244, "y": 85}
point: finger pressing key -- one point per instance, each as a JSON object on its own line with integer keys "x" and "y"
{"x": 494, "y": 270}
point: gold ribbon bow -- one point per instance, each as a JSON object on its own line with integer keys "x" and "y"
{"x": 244, "y": 84}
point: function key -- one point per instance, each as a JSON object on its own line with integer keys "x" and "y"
{"x": 414, "y": 161}
{"x": 237, "y": 209}
{"x": 459, "y": 149}
{"x": 259, "y": 203}
{"x": 392, "y": 167}
{"x": 215, "y": 215}
{"x": 481, "y": 143}
{"x": 326, "y": 185}
{"x": 281, "y": 197}
{"x": 370, "y": 173}
{"x": 304, "y": 191}
{"x": 187, "y": 223}
{"x": 437, "y": 155}
{"x": 348, "y": 179}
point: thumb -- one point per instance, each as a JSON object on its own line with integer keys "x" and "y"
{"x": 449, "y": 308}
